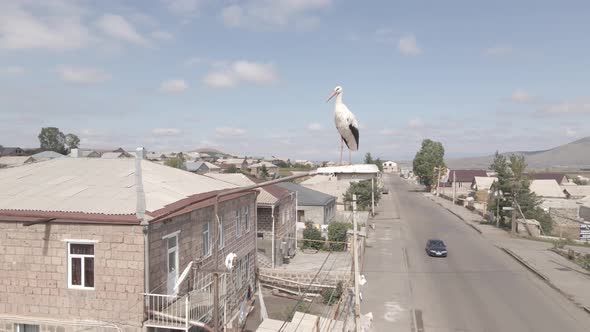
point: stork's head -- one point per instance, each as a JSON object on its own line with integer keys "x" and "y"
{"x": 337, "y": 91}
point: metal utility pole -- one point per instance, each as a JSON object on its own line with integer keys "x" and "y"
{"x": 355, "y": 262}
{"x": 454, "y": 189}
{"x": 513, "y": 218}
{"x": 497, "y": 210}
{"x": 372, "y": 196}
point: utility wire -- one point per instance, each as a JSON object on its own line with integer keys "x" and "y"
{"x": 306, "y": 290}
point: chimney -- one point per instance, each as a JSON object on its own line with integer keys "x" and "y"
{"x": 74, "y": 153}
{"x": 140, "y": 153}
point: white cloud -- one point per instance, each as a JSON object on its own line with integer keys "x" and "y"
{"x": 118, "y": 27}
{"x": 12, "y": 70}
{"x": 219, "y": 80}
{"x": 521, "y": 96}
{"x": 407, "y": 46}
{"x": 274, "y": 13}
{"x": 416, "y": 123}
{"x": 184, "y": 7}
{"x": 581, "y": 106}
{"x": 173, "y": 86}
{"x": 498, "y": 51}
{"x": 82, "y": 75}
{"x": 166, "y": 131}
{"x": 57, "y": 26}
{"x": 241, "y": 71}
{"x": 229, "y": 131}
{"x": 162, "y": 35}
{"x": 314, "y": 126}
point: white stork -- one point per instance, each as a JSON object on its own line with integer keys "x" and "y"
{"x": 346, "y": 124}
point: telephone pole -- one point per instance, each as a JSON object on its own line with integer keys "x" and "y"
{"x": 355, "y": 262}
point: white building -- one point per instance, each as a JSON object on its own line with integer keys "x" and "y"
{"x": 390, "y": 167}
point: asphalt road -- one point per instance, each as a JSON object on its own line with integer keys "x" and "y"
{"x": 476, "y": 288}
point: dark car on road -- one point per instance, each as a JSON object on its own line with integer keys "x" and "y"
{"x": 435, "y": 247}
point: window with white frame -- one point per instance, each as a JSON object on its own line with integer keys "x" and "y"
{"x": 81, "y": 265}
{"x": 239, "y": 274}
{"x": 26, "y": 328}
{"x": 238, "y": 223}
{"x": 206, "y": 239}
{"x": 221, "y": 233}
{"x": 247, "y": 217}
{"x": 247, "y": 268}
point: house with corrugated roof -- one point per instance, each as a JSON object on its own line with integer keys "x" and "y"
{"x": 560, "y": 178}
{"x": 312, "y": 205}
{"x": 546, "y": 189}
{"x": 275, "y": 221}
{"x": 271, "y": 168}
{"x": 47, "y": 155}
{"x": 122, "y": 244}
{"x": 11, "y": 151}
{"x": 201, "y": 167}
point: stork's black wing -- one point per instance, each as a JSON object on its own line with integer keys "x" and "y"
{"x": 355, "y": 133}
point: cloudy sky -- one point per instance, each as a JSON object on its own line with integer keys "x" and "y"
{"x": 251, "y": 77}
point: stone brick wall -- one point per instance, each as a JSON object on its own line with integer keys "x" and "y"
{"x": 563, "y": 225}
{"x": 264, "y": 221}
{"x": 314, "y": 214}
{"x": 34, "y": 276}
{"x": 190, "y": 243}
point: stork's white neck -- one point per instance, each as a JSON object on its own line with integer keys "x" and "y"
{"x": 339, "y": 98}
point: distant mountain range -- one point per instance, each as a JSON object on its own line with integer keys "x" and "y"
{"x": 572, "y": 156}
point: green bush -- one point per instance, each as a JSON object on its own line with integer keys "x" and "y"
{"x": 332, "y": 296}
{"x": 362, "y": 189}
{"x": 312, "y": 233}
{"x": 337, "y": 233}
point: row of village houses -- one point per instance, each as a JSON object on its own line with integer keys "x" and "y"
{"x": 193, "y": 161}
{"x": 115, "y": 244}
{"x": 566, "y": 202}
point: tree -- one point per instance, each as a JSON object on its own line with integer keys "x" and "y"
{"x": 430, "y": 156}
{"x": 369, "y": 160}
{"x": 72, "y": 141}
{"x": 362, "y": 189}
{"x": 51, "y": 139}
{"x": 176, "y": 162}
{"x": 512, "y": 179}
{"x": 263, "y": 172}
{"x": 232, "y": 169}
{"x": 312, "y": 237}
{"x": 337, "y": 232}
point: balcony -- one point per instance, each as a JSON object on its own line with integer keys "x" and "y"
{"x": 181, "y": 312}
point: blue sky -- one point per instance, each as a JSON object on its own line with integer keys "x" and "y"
{"x": 251, "y": 77}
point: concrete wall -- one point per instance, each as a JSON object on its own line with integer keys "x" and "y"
{"x": 314, "y": 214}
{"x": 34, "y": 276}
{"x": 191, "y": 246}
{"x": 564, "y": 225}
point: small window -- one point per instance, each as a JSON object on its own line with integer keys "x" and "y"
{"x": 239, "y": 275}
{"x": 206, "y": 239}
{"x": 27, "y": 328}
{"x": 221, "y": 235}
{"x": 81, "y": 265}
{"x": 247, "y": 217}
{"x": 238, "y": 223}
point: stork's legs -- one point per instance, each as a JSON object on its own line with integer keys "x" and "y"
{"x": 349, "y": 157}
{"x": 341, "y": 149}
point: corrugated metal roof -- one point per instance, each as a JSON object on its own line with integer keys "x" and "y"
{"x": 47, "y": 155}
{"x": 239, "y": 180}
{"x": 360, "y": 168}
{"x": 307, "y": 196}
{"x": 546, "y": 188}
{"x": 13, "y": 161}
{"x": 483, "y": 182}
{"x": 90, "y": 185}
{"x": 577, "y": 191}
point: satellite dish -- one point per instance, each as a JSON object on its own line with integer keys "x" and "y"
{"x": 229, "y": 260}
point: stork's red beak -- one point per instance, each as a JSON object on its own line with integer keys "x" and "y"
{"x": 331, "y": 96}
